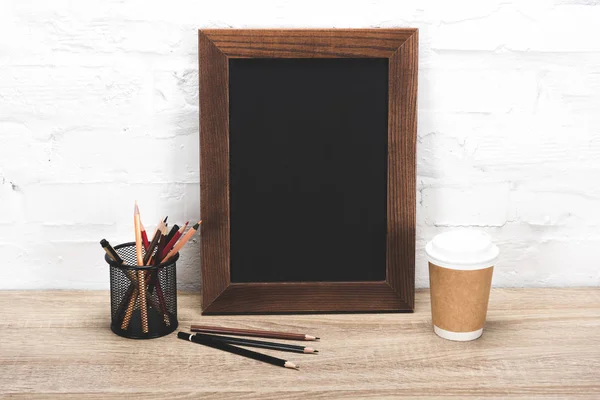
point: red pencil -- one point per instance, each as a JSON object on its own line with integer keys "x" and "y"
{"x": 174, "y": 240}
{"x": 184, "y": 239}
{"x": 144, "y": 236}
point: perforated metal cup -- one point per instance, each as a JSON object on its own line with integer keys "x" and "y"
{"x": 127, "y": 312}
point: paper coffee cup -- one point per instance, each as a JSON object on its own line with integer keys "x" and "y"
{"x": 461, "y": 263}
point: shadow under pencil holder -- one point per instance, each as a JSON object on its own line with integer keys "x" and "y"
{"x": 142, "y": 311}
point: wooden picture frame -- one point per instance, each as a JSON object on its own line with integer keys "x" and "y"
{"x": 396, "y": 292}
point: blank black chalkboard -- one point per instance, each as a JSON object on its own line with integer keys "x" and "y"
{"x": 308, "y": 148}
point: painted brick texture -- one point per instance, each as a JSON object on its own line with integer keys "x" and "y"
{"x": 99, "y": 107}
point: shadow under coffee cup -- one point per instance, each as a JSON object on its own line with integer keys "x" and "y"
{"x": 461, "y": 263}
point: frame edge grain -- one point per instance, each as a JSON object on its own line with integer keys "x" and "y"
{"x": 214, "y": 168}
{"x": 396, "y": 293}
{"x": 402, "y": 130}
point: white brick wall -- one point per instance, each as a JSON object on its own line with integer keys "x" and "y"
{"x": 509, "y": 126}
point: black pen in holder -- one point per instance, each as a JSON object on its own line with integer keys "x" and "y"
{"x": 157, "y": 315}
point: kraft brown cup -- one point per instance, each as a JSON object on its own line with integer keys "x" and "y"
{"x": 461, "y": 264}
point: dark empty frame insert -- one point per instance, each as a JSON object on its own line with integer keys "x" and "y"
{"x": 307, "y": 170}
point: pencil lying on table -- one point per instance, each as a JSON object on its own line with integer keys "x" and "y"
{"x": 237, "y": 350}
{"x": 252, "y": 332}
{"x": 258, "y": 343}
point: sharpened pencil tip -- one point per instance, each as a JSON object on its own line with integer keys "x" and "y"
{"x": 315, "y": 351}
{"x": 290, "y": 365}
{"x": 166, "y": 219}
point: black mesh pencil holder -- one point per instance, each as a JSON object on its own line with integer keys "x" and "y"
{"x": 143, "y": 311}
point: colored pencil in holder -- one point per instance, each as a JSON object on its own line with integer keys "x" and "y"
{"x": 153, "y": 243}
{"x": 174, "y": 229}
{"x": 190, "y": 233}
{"x": 140, "y": 274}
{"x": 149, "y": 288}
{"x": 111, "y": 252}
{"x": 173, "y": 240}
{"x": 144, "y": 236}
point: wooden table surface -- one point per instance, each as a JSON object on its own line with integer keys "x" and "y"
{"x": 537, "y": 343}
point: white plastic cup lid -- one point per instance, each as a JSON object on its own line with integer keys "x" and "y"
{"x": 465, "y": 249}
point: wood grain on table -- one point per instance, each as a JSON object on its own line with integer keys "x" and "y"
{"x": 537, "y": 343}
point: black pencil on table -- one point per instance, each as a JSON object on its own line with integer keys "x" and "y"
{"x": 258, "y": 343}
{"x": 237, "y": 350}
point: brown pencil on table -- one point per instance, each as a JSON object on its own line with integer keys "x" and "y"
{"x": 182, "y": 241}
{"x": 252, "y": 332}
